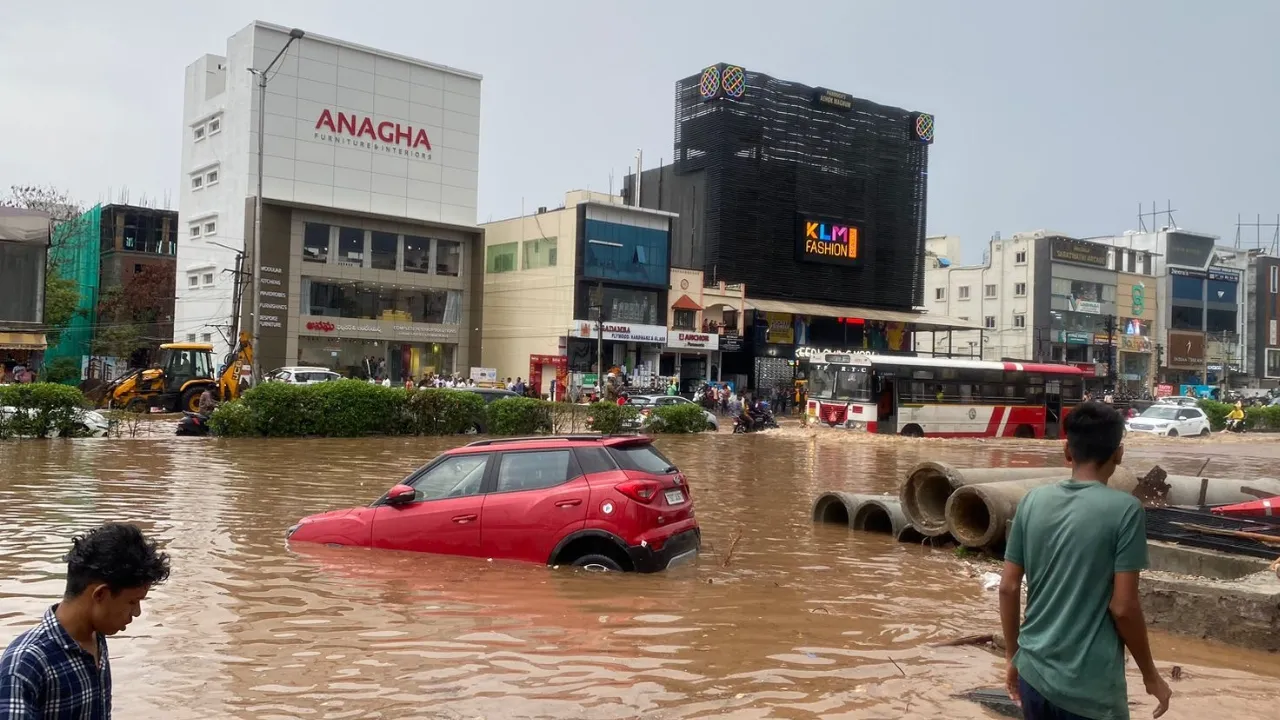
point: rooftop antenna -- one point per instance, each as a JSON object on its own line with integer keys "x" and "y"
{"x": 1155, "y": 215}
{"x": 1258, "y": 226}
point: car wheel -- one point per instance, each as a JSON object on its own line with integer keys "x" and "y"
{"x": 1204, "y": 432}
{"x": 474, "y": 429}
{"x": 597, "y": 563}
{"x": 1173, "y": 433}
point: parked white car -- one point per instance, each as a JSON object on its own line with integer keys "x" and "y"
{"x": 302, "y": 375}
{"x": 1171, "y": 421}
{"x": 92, "y": 423}
{"x": 646, "y": 403}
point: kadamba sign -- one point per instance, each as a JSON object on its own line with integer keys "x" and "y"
{"x": 827, "y": 242}
{"x": 383, "y": 136}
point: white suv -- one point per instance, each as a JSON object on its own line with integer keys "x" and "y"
{"x": 302, "y": 375}
{"x": 1171, "y": 421}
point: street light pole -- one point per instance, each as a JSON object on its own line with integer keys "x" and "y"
{"x": 263, "y": 77}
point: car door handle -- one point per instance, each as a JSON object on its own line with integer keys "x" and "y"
{"x": 569, "y": 503}
{"x": 463, "y": 519}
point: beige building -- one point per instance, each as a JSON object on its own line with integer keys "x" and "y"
{"x": 547, "y": 274}
{"x": 702, "y": 321}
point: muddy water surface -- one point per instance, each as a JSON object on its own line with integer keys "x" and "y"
{"x": 802, "y": 621}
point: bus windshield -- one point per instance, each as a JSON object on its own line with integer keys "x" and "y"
{"x": 835, "y": 382}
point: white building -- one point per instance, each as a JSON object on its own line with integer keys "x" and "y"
{"x": 996, "y": 293}
{"x": 369, "y": 243}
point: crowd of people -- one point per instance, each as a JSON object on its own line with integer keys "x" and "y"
{"x": 16, "y": 371}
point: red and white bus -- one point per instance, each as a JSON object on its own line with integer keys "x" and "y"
{"x": 941, "y": 397}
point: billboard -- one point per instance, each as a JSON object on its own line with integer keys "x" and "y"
{"x": 1186, "y": 350}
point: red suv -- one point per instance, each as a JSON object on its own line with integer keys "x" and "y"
{"x": 597, "y": 502}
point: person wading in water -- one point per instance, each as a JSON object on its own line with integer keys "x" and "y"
{"x": 59, "y": 669}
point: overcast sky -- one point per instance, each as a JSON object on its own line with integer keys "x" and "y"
{"x": 1061, "y": 115}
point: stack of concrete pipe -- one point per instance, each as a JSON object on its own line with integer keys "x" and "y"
{"x": 976, "y": 505}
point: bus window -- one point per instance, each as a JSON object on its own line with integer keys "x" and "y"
{"x": 853, "y": 385}
{"x": 822, "y": 381}
{"x": 919, "y": 393}
{"x": 1072, "y": 390}
{"x": 967, "y": 393}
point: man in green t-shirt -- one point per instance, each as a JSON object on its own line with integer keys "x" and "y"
{"x": 1081, "y": 545}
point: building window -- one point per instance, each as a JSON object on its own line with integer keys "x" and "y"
{"x": 315, "y": 243}
{"x": 1019, "y": 320}
{"x": 194, "y": 230}
{"x": 989, "y": 322}
{"x": 351, "y": 246}
{"x": 500, "y": 258}
{"x": 207, "y": 279}
{"x": 211, "y": 177}
{"x": 198, "y": 132}
{"x": 685, "y": 320}
{"x": 210, "y": 227}
{"x": 417, "y": 254}
{"x": 197, "y": 182}
{"x": 539, "y": 253}
{"x": 1275, "y": 279}
{"x": 193, "y": 281}
{"x": 215, "y": 126}
{"x": 939, "y": 293}
{"x": 191, "y": 337}
{"x": 964, "y": 292}
{"x": 1019, "y": 289}
{"x": 989, "y": 291}
{"x": 206, "y": 337}
{"x": 382, "y": 250}
{"x": 1020, "y": 257}
{"x": 448, "y": 257}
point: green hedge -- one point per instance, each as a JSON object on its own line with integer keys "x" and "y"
{"x": 680, "y": 418}
{"x": 519, "y": 416}
{"x": 44, "y": 409}
{"x": 346, "y": 408}
{"x": 1257, "y": 419}
{"x": 610, "y": 418}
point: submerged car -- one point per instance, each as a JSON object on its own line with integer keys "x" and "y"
{"x": 302, "y": 375}
{"x": 85, "y": 423}
{"x": 1171, "y": 421}
{"x": 595, "y": 502}
{"x": 646, "y": 404}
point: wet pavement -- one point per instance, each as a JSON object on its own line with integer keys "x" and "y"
{"x": 802, "y": 621}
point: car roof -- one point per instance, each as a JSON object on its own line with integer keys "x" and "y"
{"x": 304, "y": 368}
{"x": 554, "y": 442}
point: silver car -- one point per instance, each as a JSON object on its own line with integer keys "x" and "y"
{"x": 302, "y": 375}
{"x": 645, "y": 403}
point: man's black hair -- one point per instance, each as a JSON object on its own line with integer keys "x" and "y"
{"x": 116, "y": 554}
{"x": 1094, "y": 432}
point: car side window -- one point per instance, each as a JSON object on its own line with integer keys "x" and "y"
{"x": 595, "y": 460}
{"x": 456, "y": 476}
{"x": 536, "y": 470}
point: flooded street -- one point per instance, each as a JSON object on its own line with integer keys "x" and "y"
{"x": 802, "y": 621}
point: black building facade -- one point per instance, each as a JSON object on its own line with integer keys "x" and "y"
{"x": 802, "y": 193}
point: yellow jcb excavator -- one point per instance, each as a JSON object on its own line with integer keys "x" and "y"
{"x": 176, "y": 383}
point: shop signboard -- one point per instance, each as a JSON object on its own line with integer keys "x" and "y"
{"x": 1186, "y": 350}
{"x": 482, "y": 374}
{"x": 1164, "y": 390}
{"x": 1135, "y": 343}
{"x": 1086, "y": 306}
{"x": 1188, "y": 250}
{"x": 1102, "y": 339}
{"x": 827, "y": 241}
{"x": 780, "y": 330}
{"x": 1078, "y": 338}
{"x": 690, "y": 340}
{"x": 730, "y": 341}
{"x": 620, "y": 332}
{"x": 1078, "y": 252}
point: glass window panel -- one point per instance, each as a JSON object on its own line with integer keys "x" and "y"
{"x": 315, "y": 242}
{"x": 417, "y": 254}
{"x": 501, "y": 258}
{"x": 448, "y": 257}
{"x": 539, "y": 253}
{"x": 382, "y": 250}
{"x": 350, "y": 246}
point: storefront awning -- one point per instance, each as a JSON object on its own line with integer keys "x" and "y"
{"x": 22, "y": 341}
{"x": 686, "y": 303}
{"x": 923, "y": 321}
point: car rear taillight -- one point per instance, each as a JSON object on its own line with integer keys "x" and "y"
{"x": 639, "y": 490}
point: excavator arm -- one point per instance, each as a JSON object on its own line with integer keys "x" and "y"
{"x": 241, "y": 357}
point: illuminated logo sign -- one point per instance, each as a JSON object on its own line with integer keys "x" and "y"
{"x": 385, "y": 136}
{"x": 825, "y": 241}
{"x": 321, "y": 325}
{"x": 722, "y": 81}
{"x": 921, "y": 127}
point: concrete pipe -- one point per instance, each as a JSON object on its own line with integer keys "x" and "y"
{"x": 836, "y": 507}
{"x": 1190, "y": 490}
{"x": 882, "y": 514}
{"x": 979, "y": 515}
{"x": 924, "y": 493}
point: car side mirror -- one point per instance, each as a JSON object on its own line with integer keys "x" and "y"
{"x": 401, "y": 495}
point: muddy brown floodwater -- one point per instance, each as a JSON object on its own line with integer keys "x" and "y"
{"x": 804, "y": 620}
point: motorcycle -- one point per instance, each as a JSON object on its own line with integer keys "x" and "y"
{"x": 193, "y": 424}
{"x": 1235, "y": 426}
{"x": 760, "y": 421}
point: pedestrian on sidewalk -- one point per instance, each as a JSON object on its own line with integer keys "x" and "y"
{"x": 1081, "y": 546}
{"x": 60, "y": 669}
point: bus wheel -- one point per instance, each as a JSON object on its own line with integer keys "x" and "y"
{"x": 1024, "y": 431}
{"x": 913, "y": 431}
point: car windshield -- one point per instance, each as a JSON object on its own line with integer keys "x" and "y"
{"x": 644, "y": 458}
{"x": 639, "y": 400}
{"x": 1158, "y": 412}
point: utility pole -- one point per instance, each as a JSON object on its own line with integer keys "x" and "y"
{"x": 263, "y": 77}
{"x": 1111, "y": 350}
{"x": 600, "y": 339}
